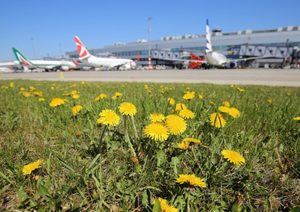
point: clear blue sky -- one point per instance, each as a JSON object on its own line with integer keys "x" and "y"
{"x": 43, "y": 27}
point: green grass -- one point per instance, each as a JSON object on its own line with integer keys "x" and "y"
{"x": 75, "y": 175}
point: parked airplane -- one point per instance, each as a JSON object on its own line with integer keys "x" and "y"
{"x": 9, "y": 66}
{"x": 47, "y": 65}
{"x": 217, "y": 59}
{"x": 102, "y": 62}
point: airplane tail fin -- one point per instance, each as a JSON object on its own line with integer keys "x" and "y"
{"x": 82, "y": 51}
{"x": 21, "y": 58}
{"x": 208, "y": 39}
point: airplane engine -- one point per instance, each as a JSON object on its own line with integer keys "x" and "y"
{"x": 65, "y": 68}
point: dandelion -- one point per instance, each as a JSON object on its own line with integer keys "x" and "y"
{"x": 233, "y": 157}
{"x": 56, "y": 102}
{"x": 26, "y": 94}
{"x": 27, "y": 169}
{"x": 22, "y": 89}
{"x": 156, "y": 131}
{"x": 191, "y": 179}
{"x": 200, "y": 97}
{"x": 11, "y": 84}
{"x": 165, "y": 206}
{"x": 75, "y": 96}
{"x": 179, "y": 107}
{"x": 117, "y": 95}
{"x": 234, "y": 112}
{"x": 217, "y": 120}
{"x": 31, "y": 88}
{"x": 175, "y": 124}
{"x": 76, "y": 109}
{"x": 187, "y": 114}
{"x": 185, "y": 143}
{"x": 156, "y": 117}
{"x": 127, "y": 109}
{"x": 226, "y": 103}
{"x": 296, "y": 118}
{"x": 109, "y": 118}
{"x": 38, "y": 93}
{"x": 189, "y": 95}
{"x": 224, "y": 109}
{"x": 100, "y": 97}
{"x": 41, "y": 99}
{"x": 171, "y": 101}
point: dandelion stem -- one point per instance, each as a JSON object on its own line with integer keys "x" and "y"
{"x": 134, "y": 128}
{"x": 101, "y": 145}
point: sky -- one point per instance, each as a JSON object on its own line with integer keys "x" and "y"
{"x": 42, "y": 28}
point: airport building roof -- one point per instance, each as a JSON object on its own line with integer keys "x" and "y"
{"x": 282, "y": 36}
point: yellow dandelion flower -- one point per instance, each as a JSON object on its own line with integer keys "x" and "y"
{"x": 31, "y": 88}
{"x": 11, "y": 84}
{"x": 108, "y": 117}
{"x": 41, "y": 99}
{"x": 127, "y": 109}
{"x": 226, "y": 103}
{"x": 156, "y": 131}
{"x": 200, "y": 97}
{"x": 165, "y": 206}
{"x": 117, "y": 95}
{"x": 175, "y": 124}
{"x": 186, "y": 114}
{"x": 38, "y": 93}
{"x": 27, "y": 169}
{"x": 100, "y": 97}
{"x": 26, "y": 93}
{"x": 233, "y": 157}
{"x": 234, "y": 112}
{"x": 179, "y": 107}
{"x": 296, "y": 118}
{"x": 189, "y": 95}
{"x": 156, "y": 117}
{"x": 224, "y": 109}
{"x": 75, "y": 96}
{"x": 22, "y": 89}
{"x": 76, "y": 109}
{"x": 171, "y": 101}
{"x": 217, "y": 120}
{"x": 191, "y": 179}
{"x": 185, "y": 143}
{"x": 56, "y": 102}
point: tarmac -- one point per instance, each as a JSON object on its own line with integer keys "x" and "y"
{"x": 269, "y": 77}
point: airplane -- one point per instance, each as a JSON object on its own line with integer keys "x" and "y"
{"x": 101, "y": 62}
{"x": 47, "y": 65}
{"x": 6, "y": 67}
{"x": 217, "y": 59}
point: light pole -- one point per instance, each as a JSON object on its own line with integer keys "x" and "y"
{"x": 149, "y": 44}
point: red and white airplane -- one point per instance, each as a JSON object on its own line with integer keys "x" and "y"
{"x": 101, "y": 62}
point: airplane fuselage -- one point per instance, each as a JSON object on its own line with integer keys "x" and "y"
{"x": 216, "y": 59}
{"x": 101, "y": 62}
{"x": 52, "y": 64}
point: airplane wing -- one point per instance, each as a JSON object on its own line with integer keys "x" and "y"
{"x": 246, "y": 59}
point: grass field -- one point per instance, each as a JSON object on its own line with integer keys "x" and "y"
{"x": 84, "y": 163}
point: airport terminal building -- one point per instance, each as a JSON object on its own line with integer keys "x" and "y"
{"x": 278, "y": 45}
